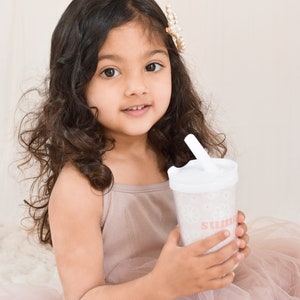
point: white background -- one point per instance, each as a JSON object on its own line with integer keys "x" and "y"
{"x": 244, "y": 57}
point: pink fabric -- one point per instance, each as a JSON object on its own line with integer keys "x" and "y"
{"x": 136, "y": 214}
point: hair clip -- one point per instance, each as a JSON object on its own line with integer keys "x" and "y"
{"x": 173, "y": 29}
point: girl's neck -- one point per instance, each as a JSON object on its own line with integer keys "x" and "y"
{"x": 132, "y": 161}
{"x": 131, "y": 145}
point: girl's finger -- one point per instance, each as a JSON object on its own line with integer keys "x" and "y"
{"x": 222, "y": 281}
{"x": 218, "y": 257}
{"x": 200, "y": 247}
{"x": 241, "y": 229}
{"x": 174, "y": 237}
{"x": 240, "y": 217}
{"x": 226, "y": 267}
{"x": 246, "y": 251}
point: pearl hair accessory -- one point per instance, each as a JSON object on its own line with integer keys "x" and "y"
{"x": 173, "y": 29}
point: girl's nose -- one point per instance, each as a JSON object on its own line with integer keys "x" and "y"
{"x": 136, "y": 86}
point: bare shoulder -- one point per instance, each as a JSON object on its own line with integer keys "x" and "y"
{"x": 71, "y": 177}
{"x": 73, "y": 203}
{"x": 72, "y": 192}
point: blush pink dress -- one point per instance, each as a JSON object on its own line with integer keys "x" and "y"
{"x": 137, "y": 220}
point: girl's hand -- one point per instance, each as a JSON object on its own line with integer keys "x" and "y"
{"x": 189, "y": 270}
{"x": 241, "y": 233}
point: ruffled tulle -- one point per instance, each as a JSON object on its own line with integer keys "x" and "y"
{"x": 272, "y": 271}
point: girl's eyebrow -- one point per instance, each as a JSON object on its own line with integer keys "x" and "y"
{"x": 119, "y": 58}
{"x": 157, "y": 51}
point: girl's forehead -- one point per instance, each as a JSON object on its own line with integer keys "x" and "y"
{"x": 134, "y": 32}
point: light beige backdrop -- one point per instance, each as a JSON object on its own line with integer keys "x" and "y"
{"x": 245, "y": 59}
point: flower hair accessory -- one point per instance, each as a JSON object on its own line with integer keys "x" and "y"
{"x": 173, "y": 29}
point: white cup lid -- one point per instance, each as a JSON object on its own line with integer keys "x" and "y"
{"x": 191, "y": 178}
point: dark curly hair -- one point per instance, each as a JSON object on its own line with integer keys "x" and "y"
{"x": 64, "y": 129}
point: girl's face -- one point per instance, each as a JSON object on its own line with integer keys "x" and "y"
{"x": 132, "y": 84}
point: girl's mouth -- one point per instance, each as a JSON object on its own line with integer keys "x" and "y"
{"x": 137, "y": 110}
{"x": 134, "y": 108}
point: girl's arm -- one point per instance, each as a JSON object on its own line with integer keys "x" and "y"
{"x": 75, "y": 211}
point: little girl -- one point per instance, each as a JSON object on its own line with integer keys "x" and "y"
{"x": 118, "y": 106}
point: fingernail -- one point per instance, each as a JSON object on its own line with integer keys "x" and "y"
{"x": 240, "y": 256}
{"x": 227, "y": 233}
{"x": 238, "y": 242}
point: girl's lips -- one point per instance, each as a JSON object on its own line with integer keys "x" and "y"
{"x": 136, "y": 110}
{"x": 138, "y": 107}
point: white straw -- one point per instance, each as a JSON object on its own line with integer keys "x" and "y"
{"x": 201, "y": 155}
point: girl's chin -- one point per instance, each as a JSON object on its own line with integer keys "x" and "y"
{"x": 130, "y": 133}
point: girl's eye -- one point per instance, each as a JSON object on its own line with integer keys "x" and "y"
{"x": 110, "y": 73}
{"x": 153, "y": 67}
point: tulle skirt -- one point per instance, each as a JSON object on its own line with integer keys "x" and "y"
{"x": 272, "y": 270}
